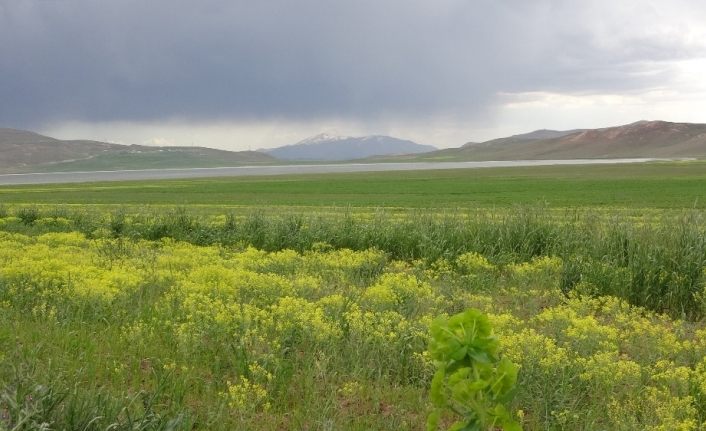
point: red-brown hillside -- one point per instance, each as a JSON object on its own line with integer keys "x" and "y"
{"x": 641, "y": 139}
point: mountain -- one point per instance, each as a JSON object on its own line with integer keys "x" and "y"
{"x": 325, "y": 147}
{"x": 524, "y": 138}
{"x": 24, "y": 151}
{"x": 20, "y": 149}
{"x": 640, "y": 139}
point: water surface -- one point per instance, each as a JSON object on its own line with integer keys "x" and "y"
{"x": 241, "y": 171}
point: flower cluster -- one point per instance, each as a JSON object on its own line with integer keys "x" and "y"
{"x": 250, "y": 324}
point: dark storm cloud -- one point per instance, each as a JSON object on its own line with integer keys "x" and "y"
{"x": 240, "y": 60}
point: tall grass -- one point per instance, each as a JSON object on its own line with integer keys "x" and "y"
{"x": 656, "y": 261}
{"x": 28, "y": 406}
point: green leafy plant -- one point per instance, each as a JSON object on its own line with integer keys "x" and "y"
{"x": 471, "y": 380}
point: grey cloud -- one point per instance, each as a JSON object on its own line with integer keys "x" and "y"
{"x": 310, "y": 59}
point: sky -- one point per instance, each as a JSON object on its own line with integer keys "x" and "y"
{"x": 249, "y": 74}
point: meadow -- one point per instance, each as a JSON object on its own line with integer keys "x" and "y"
{"x": 254, "y": 304}
{"x": 654, "y": 185}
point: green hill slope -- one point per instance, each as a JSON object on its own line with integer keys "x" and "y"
{"x": 23, "y": 151}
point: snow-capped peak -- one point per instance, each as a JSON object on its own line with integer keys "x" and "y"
{"x": 322, "y": 137}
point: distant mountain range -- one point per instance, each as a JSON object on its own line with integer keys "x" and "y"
{"x": 640, "y": 139}
{"x": 326, "y": 147}
{"x": 23, "y": 151}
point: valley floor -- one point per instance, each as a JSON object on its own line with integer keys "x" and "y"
{"x": 304, "y": 302}
{"x": 284, "y": 169}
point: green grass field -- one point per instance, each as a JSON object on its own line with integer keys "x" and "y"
{"x": 307, "y": 302}
{"x": 654, "y": 185}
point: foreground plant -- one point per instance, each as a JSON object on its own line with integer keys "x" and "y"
{"x": 471, "y": 380}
